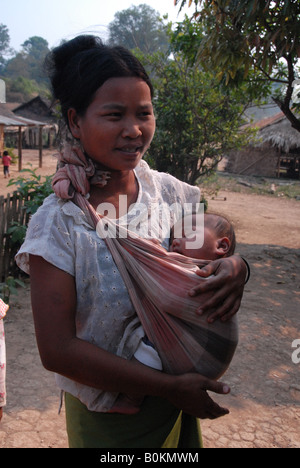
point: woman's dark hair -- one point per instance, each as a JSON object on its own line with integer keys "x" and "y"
{"x": 79, "y": 67}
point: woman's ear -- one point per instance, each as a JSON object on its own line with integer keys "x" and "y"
{"x": 223, "y": 246}
{"x": 73, "y": 123}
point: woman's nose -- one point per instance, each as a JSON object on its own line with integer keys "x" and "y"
{"x": 132, "y": 129}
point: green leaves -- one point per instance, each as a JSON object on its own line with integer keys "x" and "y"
{"x": 17, "y": 233}
{"x": 139, "y": 27}
{"x": 34, "y": 189}
{"x": 198, "y": 118}
{"x": 252, "y": 40}
{"x": 10, "y": 287}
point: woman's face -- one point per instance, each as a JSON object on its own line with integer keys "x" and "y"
{"x": 118, "y": 126}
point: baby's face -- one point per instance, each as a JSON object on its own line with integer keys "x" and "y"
{"x": 186, "y": 243}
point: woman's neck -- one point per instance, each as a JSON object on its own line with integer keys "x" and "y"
{"x": 120, "y": 184}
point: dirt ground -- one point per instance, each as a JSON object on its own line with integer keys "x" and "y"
{"x": 265, "y": 392}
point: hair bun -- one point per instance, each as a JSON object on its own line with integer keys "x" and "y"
{"x": 58, "y": 59}
{"x": 70, "y": 49}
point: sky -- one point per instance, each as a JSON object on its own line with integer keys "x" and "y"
{"x": 55, "y": 20}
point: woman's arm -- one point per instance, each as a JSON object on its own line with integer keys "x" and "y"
{"x": 54, "y": 306}
{"x": 227, "y": 278}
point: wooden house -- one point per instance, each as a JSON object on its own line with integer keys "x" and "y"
{"x": 8, "y": 120}
{"x": 38, "y": 108}
{"x": 274, "y": 151}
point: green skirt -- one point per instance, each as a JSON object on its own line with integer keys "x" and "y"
{"x": 158, "y": 425}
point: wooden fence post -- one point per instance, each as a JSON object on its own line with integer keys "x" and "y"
{"x": 11, "y": 210}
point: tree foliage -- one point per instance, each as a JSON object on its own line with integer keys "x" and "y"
{"x": 258, "y": 36}
{"x": 4, "y": 44}
{"x": 198, "y": 119}
{"x": 139, "y": 27}
{"x": 23, "y": 73}
{"x": 29, "y": 62}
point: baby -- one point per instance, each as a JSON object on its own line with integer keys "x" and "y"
{"x": 218, "y": 237}
{"x": 219, "y": 241}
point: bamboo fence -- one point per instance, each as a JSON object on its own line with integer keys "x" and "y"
{"x": 11, "y": 210}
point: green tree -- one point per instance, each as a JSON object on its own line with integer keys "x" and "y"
{"x": 139, "y": 27}
{"x": 257, "y": 39}
{"x": 198, "y": 120}
{"x": 29, "y": 62}
{"x": 24, "y": 72}
{"x": 21, "y": 89}
{"x": 4, "y": 44}
{"x": 35, "y": 50}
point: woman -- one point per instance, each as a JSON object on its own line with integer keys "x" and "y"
{"x": 86, "y": 328}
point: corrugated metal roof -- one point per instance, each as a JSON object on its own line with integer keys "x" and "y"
{"x": 9, "y": 119}
{"x": 19, "y": 121}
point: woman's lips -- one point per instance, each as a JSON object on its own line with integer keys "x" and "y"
{"x": 131, "y": 150}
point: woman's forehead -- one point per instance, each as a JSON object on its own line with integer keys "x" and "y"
{"x": 116, "y": 91}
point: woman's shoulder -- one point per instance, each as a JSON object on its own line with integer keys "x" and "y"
{"x": 166, "y": 184}
{"x": 54, "y": 207}
{"x": 51, "y": 234}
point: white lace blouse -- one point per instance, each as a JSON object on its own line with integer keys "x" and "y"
{"x": 61, "y": 234}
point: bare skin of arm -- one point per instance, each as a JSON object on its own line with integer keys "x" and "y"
{"x": 54, "y": 304}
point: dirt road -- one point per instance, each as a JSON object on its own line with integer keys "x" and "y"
{"x": 265, "y": 397}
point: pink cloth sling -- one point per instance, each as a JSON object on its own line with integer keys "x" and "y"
{"x": 158, "y": 283}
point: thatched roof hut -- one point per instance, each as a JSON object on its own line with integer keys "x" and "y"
{"x": 273, "y": 152}
{"x": 278, "y": 133}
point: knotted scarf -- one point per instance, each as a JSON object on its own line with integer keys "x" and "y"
{"x": 158, "y": 282}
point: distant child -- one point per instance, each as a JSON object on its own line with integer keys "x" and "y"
{"x": 3, "y": 310}
{"x": 219, "y": 241}
{"x": 6, "y": 161}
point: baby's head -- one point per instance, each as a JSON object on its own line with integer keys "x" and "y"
{"x": 219, "y": 237}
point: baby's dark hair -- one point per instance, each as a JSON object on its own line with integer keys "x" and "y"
{"x": 79, "y": 67}
{"x": 223, "y": 228}
{"x": 220, "y": 225}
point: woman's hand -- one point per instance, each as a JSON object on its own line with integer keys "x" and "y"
{"x": 190, "y": 395}
{"x": 226, "y": 278}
